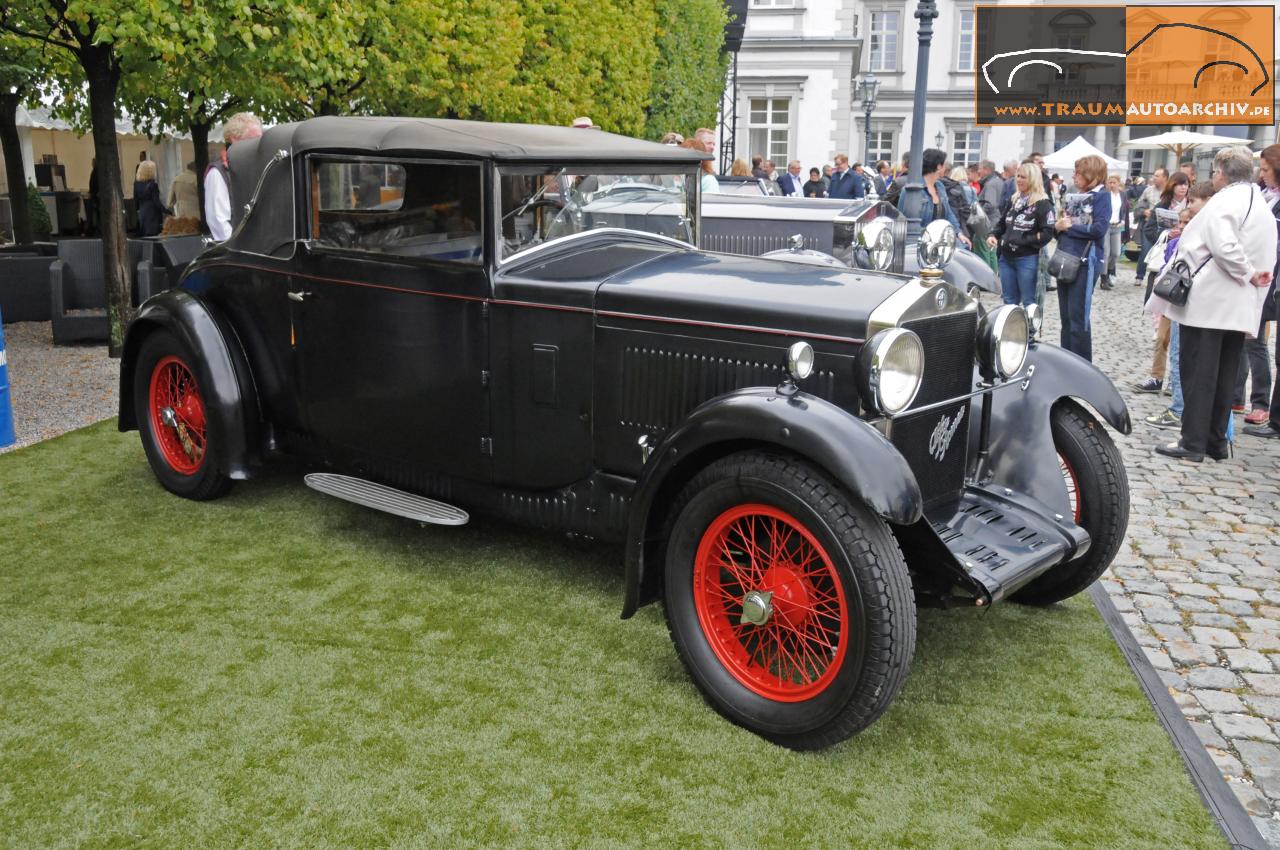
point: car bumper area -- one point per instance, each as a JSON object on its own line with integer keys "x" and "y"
{"x": 1003, "y": 539}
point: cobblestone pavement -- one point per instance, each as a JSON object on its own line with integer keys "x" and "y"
{"x": 1198, "y": 578}
{"x": 56, "y": 389}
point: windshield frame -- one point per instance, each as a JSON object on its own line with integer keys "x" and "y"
{"x": 693, "y": 197}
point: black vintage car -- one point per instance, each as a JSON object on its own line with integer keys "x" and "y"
{"x": 793, "y": 456}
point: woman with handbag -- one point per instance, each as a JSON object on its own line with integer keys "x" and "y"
{"x": 1025, "y": 227}
{"x": 1080, "y": 244}
{"x": 1173, "y": 199}
{"x": 1216, "y": 287}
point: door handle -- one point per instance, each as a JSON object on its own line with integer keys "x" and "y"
{"x": 299, "y": 296}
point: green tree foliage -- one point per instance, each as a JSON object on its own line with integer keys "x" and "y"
{"x": 41, "y": 226}
{"x": 689, "y": 75}
{"x": 87, "y": 31}
{"x": 25, "y": 68}
{"x": 587, "y": 57}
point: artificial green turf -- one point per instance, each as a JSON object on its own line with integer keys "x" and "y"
{"x": 279, "y": 669}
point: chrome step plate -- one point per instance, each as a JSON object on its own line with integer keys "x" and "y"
{"x": 386, "y": 499}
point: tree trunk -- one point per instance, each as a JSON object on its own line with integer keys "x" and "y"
{"x": 200, "y": 142}
{"x": 103, "y": 75}
{"x": 14, "y": 172}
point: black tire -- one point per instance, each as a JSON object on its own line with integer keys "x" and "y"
{"x": 1102, "y": 494}
{"x": 863, "y": 669}
{"x": 183, "y": 464}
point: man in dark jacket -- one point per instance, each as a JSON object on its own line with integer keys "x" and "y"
{"x": 844, "y": 183}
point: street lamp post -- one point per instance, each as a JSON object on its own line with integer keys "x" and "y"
{"x": 870, "y": 86}
{"x": 913, "y": 195}
{"x": 938, "y": 140}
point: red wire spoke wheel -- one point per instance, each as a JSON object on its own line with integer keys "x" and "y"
{"x": 173, "y": 420}
{"x": 788, "y": 601}
{"x": 177, "y": 415}
{"x": 770, "y": 603}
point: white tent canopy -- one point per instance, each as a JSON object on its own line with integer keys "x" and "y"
{"x": 1181, "y": 141}
{"x": 1064, "y": 161}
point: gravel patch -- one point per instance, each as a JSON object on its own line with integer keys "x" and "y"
{"x": 55, "y": 389}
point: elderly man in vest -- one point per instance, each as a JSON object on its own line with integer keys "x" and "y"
{"x": 217, "y": 179}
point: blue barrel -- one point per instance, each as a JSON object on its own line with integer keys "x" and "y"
{"x": 7, "y": 437}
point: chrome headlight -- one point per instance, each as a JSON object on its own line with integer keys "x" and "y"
{"x": 937, "y": 245}
{"x": 1003, "y": 338}
{"x": 890, "y": 368}
{"x": 877, "y": 238}
{"x": 800, "y": 360}
{"x": 1035, "y": 319}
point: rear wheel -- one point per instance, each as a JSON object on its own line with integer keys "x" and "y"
{"x": 1098, "y": 494}
{"x": 171, "y": 416}
{"x": 788, "y": 601}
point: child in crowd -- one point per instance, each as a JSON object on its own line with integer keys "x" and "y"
{"x": 1172, "y": 416}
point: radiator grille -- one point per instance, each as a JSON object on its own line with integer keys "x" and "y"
{"x": 922, "y": 437}
{"x": 749, "y": 244}
{"x": 660, "y": 387}
{"x": 948, "y": 356}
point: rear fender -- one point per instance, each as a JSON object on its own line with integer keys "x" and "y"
{"x": 1022, "y": 453}
{"x": 226, "y": 382}
{"x": 854, "y": 454}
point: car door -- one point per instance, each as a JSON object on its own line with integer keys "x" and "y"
{"x": 388, "y": 307}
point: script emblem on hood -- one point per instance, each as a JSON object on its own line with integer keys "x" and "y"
{"x": 943, "y": 433}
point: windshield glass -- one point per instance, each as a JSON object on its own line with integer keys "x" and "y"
{"x": 542, "y": 204}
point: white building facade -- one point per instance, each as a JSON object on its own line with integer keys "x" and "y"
{"x": 797, "y": 88}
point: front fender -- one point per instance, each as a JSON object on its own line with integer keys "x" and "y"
{"x": 231, "y": 401}
{"x": 1022, "y": 453}
{"x": 846, "y": 448}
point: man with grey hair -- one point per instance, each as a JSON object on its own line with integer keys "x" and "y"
{"x": 217, "y": 177}
{"x": 991, "y": 193}
{"x": 791, "y": 183}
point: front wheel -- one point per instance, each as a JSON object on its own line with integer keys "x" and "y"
{"x": 1098, "y": 494}
{"x": 787, "y": 600}
{"x": 170, "y": 409}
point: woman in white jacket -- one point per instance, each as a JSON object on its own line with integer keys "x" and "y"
{"x": 1231, "y": 249}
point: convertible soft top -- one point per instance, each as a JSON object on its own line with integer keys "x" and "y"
{"x": 514, "y": 143}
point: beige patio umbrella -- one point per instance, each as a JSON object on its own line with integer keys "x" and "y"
{"x": 1181, "y": 141}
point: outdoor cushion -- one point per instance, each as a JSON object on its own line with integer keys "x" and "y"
{"x": 24, "y": 282}
{"x": 77, "y": 293}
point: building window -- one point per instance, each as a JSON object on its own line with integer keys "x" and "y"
{"x": 883, "y": 38}
{"x": 966, "y": 147}
{"x": 881, "y": 147}
{"x": 769, "y": 128}
{"x": 964, "y": 49}
{"x": 1137, "y": 160}
{"x": 772, "y": 4}
{"x": 1070, "y": 41}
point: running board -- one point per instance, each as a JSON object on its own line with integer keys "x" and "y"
{"x": 386, "y": 499}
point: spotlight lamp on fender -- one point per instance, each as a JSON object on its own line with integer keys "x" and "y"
{"x": 935, "y": 249}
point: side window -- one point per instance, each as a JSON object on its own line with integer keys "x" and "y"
{"x": 407, "y": 209}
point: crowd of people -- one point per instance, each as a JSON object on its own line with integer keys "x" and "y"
{"x": 1043, "y": 233}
